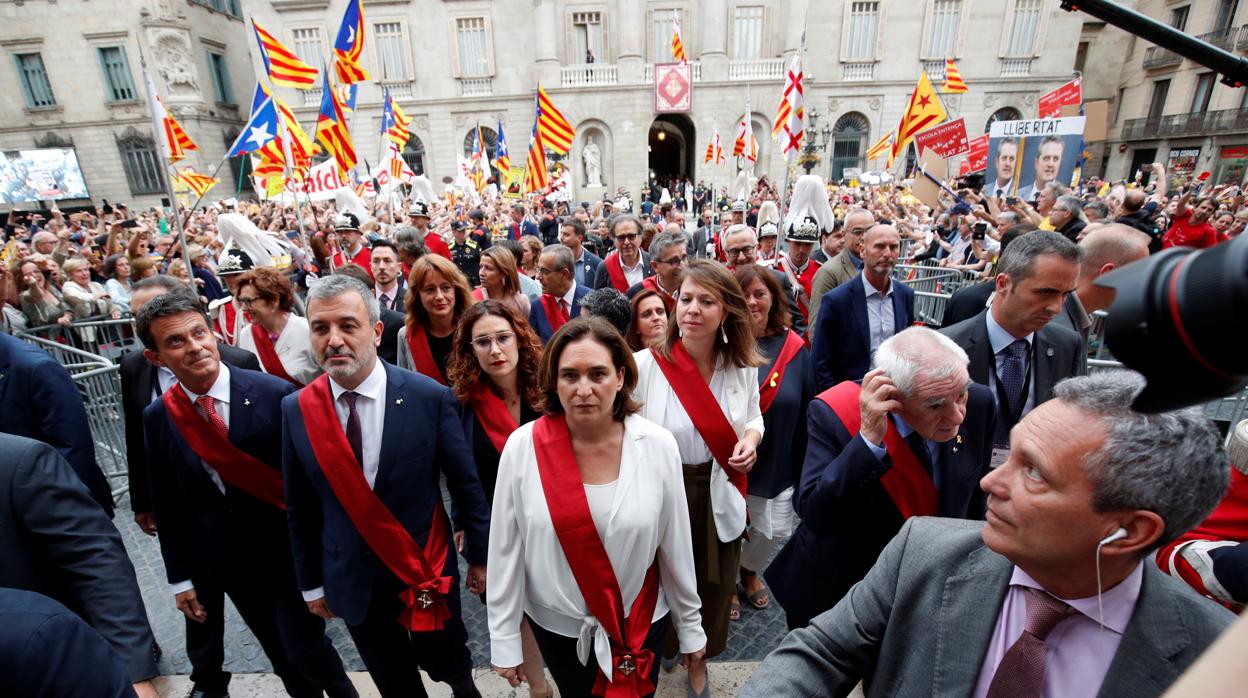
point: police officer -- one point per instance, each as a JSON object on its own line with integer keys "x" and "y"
{"x": 466, "y": 253}
{"x": 480, "y": 234}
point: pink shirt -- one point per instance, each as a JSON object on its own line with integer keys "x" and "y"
{"x": 1077, "y": 655}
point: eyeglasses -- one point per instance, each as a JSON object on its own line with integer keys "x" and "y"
{"x": 625, "y": 238}
{"x": 244, "y": 301}
{"x": 486, "y": 342}
{"x": 741, "y": 251}
{"x": 675, "y": 261}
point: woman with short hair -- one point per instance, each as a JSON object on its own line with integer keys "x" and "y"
{"x": 589, "y": 534}
{"x": 532, "y": 250}
{"x": 437, "y": 296}
{"x": 42, "y": 302}
{"x": 278, "y": 337}
{"x": 88, "y": 298}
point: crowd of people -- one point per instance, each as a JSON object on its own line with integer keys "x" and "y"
{"x": 631, "y": 409}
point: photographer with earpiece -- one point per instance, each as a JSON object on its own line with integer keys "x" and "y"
{"x": 1053, "y": 596}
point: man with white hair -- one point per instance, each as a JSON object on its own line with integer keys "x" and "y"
{"x": 912, "y": 440}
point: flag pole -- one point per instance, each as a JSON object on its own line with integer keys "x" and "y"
{"x": 166, "y": 155}
{"x": 288, "y": 175}
{"x": 788, "y": 166}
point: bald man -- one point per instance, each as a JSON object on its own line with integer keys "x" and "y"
{"x": 843, "y": 266}
{"x": 1106, "y": 247}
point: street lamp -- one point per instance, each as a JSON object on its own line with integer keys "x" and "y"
{"x": 814, "y": 142}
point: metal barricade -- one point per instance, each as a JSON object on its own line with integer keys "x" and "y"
{"x": 932, "y": 287}
{"x": 99, "y": 383}
{"x": 100, "y": 336}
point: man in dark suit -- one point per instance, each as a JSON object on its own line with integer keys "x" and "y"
{"x": 668, "y": 260}
{"x": 741, "y": 247}
{"x": 1054, "y": 595}
{"x": 584, "y": 263}
{"x": 218, "y": 495}
{"x": 383, "y": 437}
{"x": 519, "y": 225}
{"x": 626, "y": 265}
{"x": 1014, "y": 348}
{"x": 845, "y": 265}
{"x": 561, "y": 294}
{"x": 55, "y": 539}
{"x": 857, "y": 316}
{"x": 917, "y": 428}
{"x": 387, "y": 272}
{"x": 141, "y": 383}
{"x": 391, "y": 320}
{"x": 830, "y": 244}
{"x": 38, "y": 400}
{"x": 704, "y": 235}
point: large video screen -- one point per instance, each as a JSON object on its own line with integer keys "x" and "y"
{"x": 51, "y": 174}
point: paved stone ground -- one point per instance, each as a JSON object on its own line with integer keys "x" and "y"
{"x": 751, "y": 639}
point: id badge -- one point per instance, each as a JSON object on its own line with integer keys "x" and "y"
{"x": 999, "y": 456}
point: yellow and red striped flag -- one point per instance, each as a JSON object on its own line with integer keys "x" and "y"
{"x": 923, "y": 111}
{"x": 332, "y": 130}
{"x": 881, "y": 147}
{"x": 746, "y": 144}
{"x": 678, "y": 46}
{"x": 176, "y": 140}
{"x": 282, "y": 65}
{"x": 399, "y": 132}
{"x": 349, "y": 45}
{"x": 197, "y": 182}
{"x": 535, "y": 176}
{"x": 715, "y": 149}
{"x": 790, "y": 116}
{"x": 556, "y": 132}
{"x": 953, "y": 79}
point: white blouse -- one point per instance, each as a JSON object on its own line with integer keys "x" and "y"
{"x": 648, "y": 520}
{"x": 737, "y": 396}
{"x": 293, "y": 347}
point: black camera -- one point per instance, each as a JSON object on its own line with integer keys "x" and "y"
{"x": 1178, "y": 318}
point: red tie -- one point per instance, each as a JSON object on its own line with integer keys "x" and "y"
{"x": 207, "y": 407}
{"x": 563, "y": 307}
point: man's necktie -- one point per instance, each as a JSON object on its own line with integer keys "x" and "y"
{"x": 918, "y": 445}
{"x": 209, "y": 410}
{"x": 1021, "y": 671}
{"x": 355, "y": 435}
{"x": 385, "y": 301}
{"x": 563, "y": 308}
{"x": 1013, "y": 368}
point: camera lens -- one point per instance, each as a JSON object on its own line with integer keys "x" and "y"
{"x": 1178, "y": 318}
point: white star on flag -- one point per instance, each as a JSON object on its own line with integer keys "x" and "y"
{"x": 260, "y": 135}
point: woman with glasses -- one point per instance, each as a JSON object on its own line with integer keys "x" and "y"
{"x": 702, "y": 385}
{"x": 438, "y": 294}
{"x": 278, "y": 337}
{"x": 493, "y": 372}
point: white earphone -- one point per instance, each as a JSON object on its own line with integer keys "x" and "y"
{"x": 1116, "y": 535}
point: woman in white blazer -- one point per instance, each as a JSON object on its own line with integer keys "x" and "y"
{"x": 278, "y": 337}
{"x": 589, "y": 531}
{"x": 709, "y": 359}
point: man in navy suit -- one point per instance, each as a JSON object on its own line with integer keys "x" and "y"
{"x": 857, "y": 316}
{"x": 561, "y": 294}
{"x": 519, "y": 225}
{"x": 585, "y": 264}
{"x": 39, "y": 400}
{"x": 913, "y": 441}
{"x": 218, "y": 495}
{"x": 395, "y": 432}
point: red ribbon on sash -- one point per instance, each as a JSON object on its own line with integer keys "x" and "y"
{"x": 653, "y": 284}
{"x": 418, "y": 343}
{"x": 703, "y": 410}
{"x": 235, "y": 467}
{"x": 424, "y": 602}
{"x": 587, "y": 557}
{"x": 493, "y": 414}
{"x": 907, "y": 482}
{"x": 554, "y": 312}
{"x": 615, "y": 270}
{"x": 268, "y": 355}
{"x": 767, "y": 392}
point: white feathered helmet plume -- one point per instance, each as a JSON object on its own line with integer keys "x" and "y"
{"x": 741, "y": 188}
{"x": 809, "y": 210}
{"x": 347, "y": 201}
{"x": 237, "y": 231}
{"x": 768, "y": 220}
{"x": 422, "y": 190}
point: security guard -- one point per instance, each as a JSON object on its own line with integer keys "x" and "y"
{"x": 480, "y": 234}
{"x": 466, "y": 253}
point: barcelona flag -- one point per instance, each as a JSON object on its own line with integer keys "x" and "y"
{"x": 332, "y": 130}
{"x": 349, "y": 46}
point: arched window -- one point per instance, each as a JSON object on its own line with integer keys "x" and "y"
{"x": 490, "y": 138}
{"x": 1002, "y": 114}
{"x": 849, "y": 143}
{"x": 414, "y": 155}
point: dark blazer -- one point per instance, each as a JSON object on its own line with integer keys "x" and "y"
{"x": 47, "y": 650}
{"x": 55, "y": 540}
{"x": 392, "y": 321}
{"x": 423, "y": 438}
{"x": 527, "y": 227}
{"x": 39, "y": 400}
{"x": 397, "y": 302}
{"x": 1058, "y": 353}
{"x": 841, "y": 345}
{"x": 967, "y": 302}
{"x": 537, "y": 313}
{"x": 847, "y": 517}
{"x": 138, "y": 380}
{"x": 589, "y": 263}
{"x": 201, "y": 530}
{"x": 796, "y": 320}
{"x": 602, "y": 279}
{"x": 923, "y": 618}
{"x": 697, "y": 241}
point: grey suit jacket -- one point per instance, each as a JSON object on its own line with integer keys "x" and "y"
{"x": 837, "y": 271}
{"x": 943, "y": 590}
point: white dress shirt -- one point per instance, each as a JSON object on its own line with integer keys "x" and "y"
{"x": 164, "y": 379}
{"x": 220, "y": 394}
{"x": 1000, "y": 338}
{"x": 648, "y": 520}
{"x": 879, "y": 313}
{"x": 634, "y": 274}
{"x": 293, "y": 348}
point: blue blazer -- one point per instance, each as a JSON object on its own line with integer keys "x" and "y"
{"x": 588, "y": 263}
{"x": 841, "y": 346}
{"x": 199, "y": 526}
{"x": 423, "y": 438}
{"x": 39, "y": 400}
{"x": 526, "y": 227}
{"x": 847, "y": 517}
{"x": 537, "y": 314}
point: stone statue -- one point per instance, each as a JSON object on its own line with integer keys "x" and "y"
{"x": 593, "y": 164}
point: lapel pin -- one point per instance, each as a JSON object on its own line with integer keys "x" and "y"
{"x": 246, "y": 402}
{"x": 1048, "y": 352}
{"x": 957, "y": 442}
{"x": 399, "y": 401}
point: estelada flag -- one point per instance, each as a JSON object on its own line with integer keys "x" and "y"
{"x": 953, "y": 79}
{"x": 349, "y": 45}
{"x": 332, "y": 130}
{"x": 923, "y": 111}
{"x": 282, "y": 65}
{"x": 196, "y": 181}
{"x": 881, "y": 147}
{"x": 557, "y": 133}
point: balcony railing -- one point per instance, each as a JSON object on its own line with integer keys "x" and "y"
{"x": 857, "y": 72}
{"x": 312, "y": 97}
{"x": 1193, "y": 124}
{"x": 695, "y": 66}
{"x": 935, "y": 69}
{"x": 1015, "y": 67}
{"x": 1158, "y": 57}
{"x": 1242, "y": 42}
{"x": 1222, "y": 38}
{"x": 588, "y": 74}
{"x": 756, "y": 69}
{"x": 401, "y": 90}
{"x": 476, "y": 87}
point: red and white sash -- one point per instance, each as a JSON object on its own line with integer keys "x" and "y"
{"x": 591, "y": 568}
{"x": 615, "y": 271}
{"x": 424, "y": 602}
{"x": 422, "y": 357}
{"x": 770, "y": 387}
{"x": 493, "y": 414}
{"x": 268, "y": 355}
{"x": 554, "y": 312}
